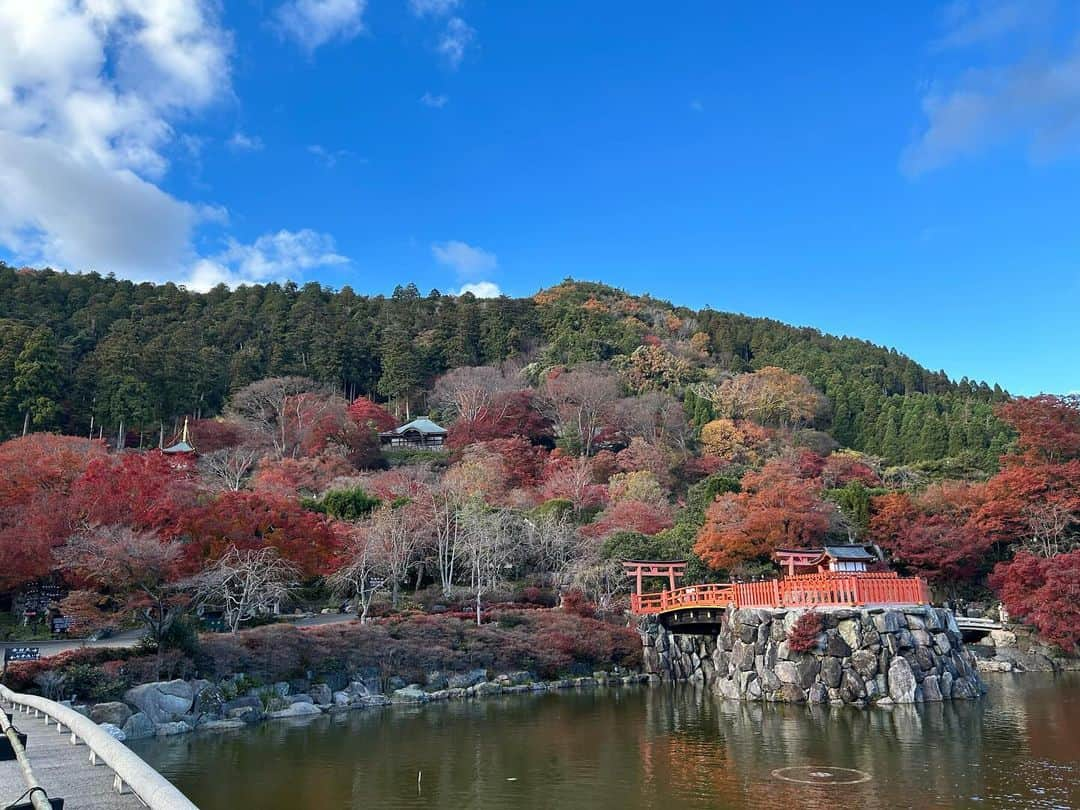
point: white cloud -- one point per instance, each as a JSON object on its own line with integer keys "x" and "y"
{"x": 312, "y": 23}
{"x": 455, "y": 41}
{"x": 434, "y": 101}
{"x": 697, "y": 106}
{"x": 465, "y": 259}
{"x": 481, "y": 289}
{"x": 271, "y": 257}
{"x": 433, "y": 8}
{"x": 241, "y": 142}
{"x": 1030, "y": 98}
{"x": 88, "y": 94}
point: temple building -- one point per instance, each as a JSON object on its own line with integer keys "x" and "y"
{"x": 419, "y": 434}
{"x": 835, "y": 559}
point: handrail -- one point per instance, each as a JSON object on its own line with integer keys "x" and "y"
{"x": 153, "y": 789}
{"x": 826, "y": 589}
{"x": 34, "y": 788}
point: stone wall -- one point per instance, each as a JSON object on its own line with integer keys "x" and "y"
{"x": 863, "y": 657}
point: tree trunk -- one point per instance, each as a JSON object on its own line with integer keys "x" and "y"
{"x": 26, "y": 423}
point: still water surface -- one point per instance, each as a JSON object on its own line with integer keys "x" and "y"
{"x": 646, "y": 747}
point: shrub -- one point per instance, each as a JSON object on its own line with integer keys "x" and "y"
{"x": 804, "y": 634}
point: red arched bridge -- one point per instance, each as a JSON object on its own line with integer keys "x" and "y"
{"x": 693, "y": 607}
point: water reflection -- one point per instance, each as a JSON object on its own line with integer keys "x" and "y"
{"x": 640, "y": 748}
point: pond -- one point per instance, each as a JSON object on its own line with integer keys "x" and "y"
{"x": 645, "y": 747}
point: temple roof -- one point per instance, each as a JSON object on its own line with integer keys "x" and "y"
{"x": 421, "y": 424}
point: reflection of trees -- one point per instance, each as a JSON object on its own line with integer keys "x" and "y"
{"x": 642, "y": 748}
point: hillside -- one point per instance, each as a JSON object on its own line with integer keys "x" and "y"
{"x": 76, "y": 347}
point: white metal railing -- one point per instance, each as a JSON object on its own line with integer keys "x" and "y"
{"x": 153, "y": 789}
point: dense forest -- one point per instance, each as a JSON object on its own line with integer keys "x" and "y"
{"x": 585, "y": 426}
{"x": 78, "y": 351}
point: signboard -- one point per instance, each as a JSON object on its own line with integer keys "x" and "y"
{"x": 61, "y": 624}
{"x": 21, "y": 654}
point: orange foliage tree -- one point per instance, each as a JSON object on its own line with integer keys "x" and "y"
{"x": 776, "y": 509}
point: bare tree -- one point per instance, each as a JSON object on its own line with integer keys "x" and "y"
{"x": 229, "y": 467}
{"x": 470, "y": 392}
{"x": 363, "y": 573}
{"x": 278, "y": 408}
{"x": 555, "y": 546}
{"x": 396, "y": 535}
{"x": 489, "y": 543}
{"x": 656, "y": 417}
{"x": 602, "y": 581}
{"x": 246, "y": 583}
{"x": 580, "y": 402}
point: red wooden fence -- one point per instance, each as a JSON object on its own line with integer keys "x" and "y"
{"x": 803, "y": 590}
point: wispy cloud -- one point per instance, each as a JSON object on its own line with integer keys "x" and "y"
{"x": 313, "y": 23}
{"x": 978, "y": 22}
{"x": 481, "y": 289}
{"x": 697, "y": 106}
{"x": 455, "y": 41}
{"x": 1031, "y": 99}
{"x": 434, "y": 101}
{"x": 329, "y": 157}
{"x": 433, "y": 8}
{"x": 465, "y": 259}
{"x": 240, "y": 142}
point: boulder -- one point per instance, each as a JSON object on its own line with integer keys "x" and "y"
{"x": 294, "y": 699}
{"x": 835, "y": 645}
{"x": 831, "y": 671}
{"x": 891, "y": 621}
{"x": 359, "y": 689}
{"x": 849, "y": 630}
{"x": 248, "y": 714}
{"x": 342, "y": 698}
{"x": 138, "y": 726}
{"x": 221, "y": 725}
{"x": 467, "y": 679}
{"x": 112, "y": 713}
{"x": 321, "y": 694}
{"x": 922, "y": 638}
{"x": 791, "y": 693}
{"x": 113, "y": 731}
{"x": 865, "y": 663}
{"x": 161, "y": 701}
{"x": 852, "y": 687}
{"x": 245, "y": 702}
{"x": 1003, "y": 638}
{"x": 931, "y": 689}
{"x": 902, "y": 683}
{"x": 169, "y": 729}
{"x": 743, "y": 655}
{"x": 787, "y": 672}
{"x": 373, "y": 700}
{"x": 299, "y": 709}
{"x": 410, "y": 694}
{"x": 209, "y": 700}
{"x": 809, "y": 667}
{"x": 819, "y": 693}
{"x": 915, "y": 621}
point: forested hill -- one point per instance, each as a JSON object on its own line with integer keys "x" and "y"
{"x": 76, "y": 346}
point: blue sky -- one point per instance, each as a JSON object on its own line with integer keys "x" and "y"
{"x": 908, "y": 177}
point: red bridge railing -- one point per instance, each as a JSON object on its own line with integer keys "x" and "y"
{"x": 801, "y": 590}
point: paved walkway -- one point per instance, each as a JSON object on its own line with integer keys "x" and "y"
{"x": 63, "y": 769}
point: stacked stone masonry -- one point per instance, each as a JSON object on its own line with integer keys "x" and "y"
{"x": 868, "y": 656}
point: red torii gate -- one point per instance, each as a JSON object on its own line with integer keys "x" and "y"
{"x": 639, "y": 569}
